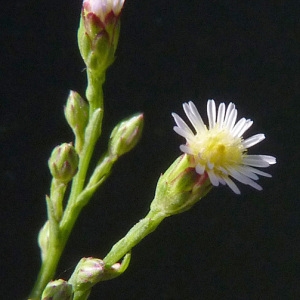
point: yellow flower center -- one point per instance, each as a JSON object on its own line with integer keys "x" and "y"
{"x": 217, "y": 148}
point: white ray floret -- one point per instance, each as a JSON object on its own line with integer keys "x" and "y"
{"x": 220, "y": 149}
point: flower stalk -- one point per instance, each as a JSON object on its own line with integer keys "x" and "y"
{"x": 177, "y": 191}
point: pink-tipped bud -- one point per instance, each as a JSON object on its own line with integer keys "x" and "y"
{"x": 77, "y": 113}
{"x": 63, "y": 162}
{"x": 90, "y": 271}
{"x": 98, "y": 33}
{"x": 126, "y": 135}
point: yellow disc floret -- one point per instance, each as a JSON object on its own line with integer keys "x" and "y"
{"x": 217, "y": 148}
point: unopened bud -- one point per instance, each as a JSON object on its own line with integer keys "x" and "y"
{"x": 57, "y": 290}
{"x": 98, "y": 33}
{"x": 90, "y": 271}
{"x": 63, "y": 162}
{"x": 43, "y": 240}
{"x": 126, "y": 134}
{"x": 87, "y": 273}
{"x": 77, "y": 113}
{"x": 179, "y": 188}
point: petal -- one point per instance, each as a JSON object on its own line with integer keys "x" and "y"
{"x": 213, "y": 178}
{"x": 200, "y": 169}
{"x": 231, "y": 119}
{"x": 253, "y": 140}
{"x": 186, "y": 149}
{"x": 255, "y": 161}
{"x": 194, "y": 116}
{"x": 270, "y": 159}
{"x": 245, "y": 128}
{"x": 259, "y": 172}
{"x": 232, "y": 185}
{"x": 247, "y": 172}
{"x": 244, "y": 179}
{"x": 211, "y": 113}
{"x": 230, "y": 108}
{"x": 238, "y": 127}
{"x": 221, "y": 114}
{"x": 182, "y": 129}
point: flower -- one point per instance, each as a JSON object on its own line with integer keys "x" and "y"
{"x": 220, "y": 150}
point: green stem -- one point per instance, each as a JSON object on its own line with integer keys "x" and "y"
{"x": 94, "y": 91}
{"x": 81, "y": 295}
{"x": 70, "y": 215}
{"x": 56, "y": 247}
{"x": 47, "y": 271}
{"x": 57, "y": 193}
{"x": 134, "y": 236}
{"x": 102, "y": 170}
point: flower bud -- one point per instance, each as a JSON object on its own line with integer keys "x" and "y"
{"x": 90, "y": 271}
{"x": 57, "y": 290}
{"x": 63, "y": 162}
{"x": 87, "y": 273}
{"x": 179, "y": 188}
{"x": 43, "y": 240}
{"x": 99, "y": 30}
{"x": 125, "y": 135}
{"x": 77, "y": 113}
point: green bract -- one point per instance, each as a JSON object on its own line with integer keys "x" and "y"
{"x": 179, "y": 188}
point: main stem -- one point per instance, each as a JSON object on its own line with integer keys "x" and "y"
{"x": 94, "y": 91}
{"x": 48, "y": 268}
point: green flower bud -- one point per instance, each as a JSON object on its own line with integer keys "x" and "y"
{"x": 90, "y": 271}
{"x": 57, "y": 290}
{"x": 126, "y": 135}
{"x": 77, "y": 113}
{"x": 63, "y": 162}
{"x": 98, "y": 33}
{"x": 43, "y": 240}
{"x": 179, "y": 188}
{"x": 87, "y": 273}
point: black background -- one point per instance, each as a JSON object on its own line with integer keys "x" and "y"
{"x": 227, "y": 246}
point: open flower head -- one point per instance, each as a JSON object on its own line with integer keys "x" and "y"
{"x": 220, "y": 149}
